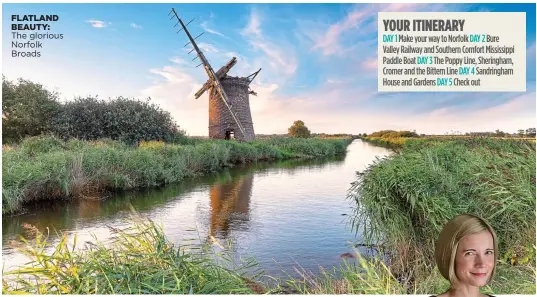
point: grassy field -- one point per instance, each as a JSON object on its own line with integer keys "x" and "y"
{"x": 48, "y": 168}
{"x": 403, "y": 202}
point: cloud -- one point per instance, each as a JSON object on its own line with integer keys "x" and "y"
{"x": 484, "y": 119}
{"x": 361, "y": 21}
{"x": 323, "y": 108}
{"x": 401, "y": 7}
{"x": 333, "y": 81}
{"x": 521, "y": 104}
{"x": 329, "y": 43}
{"x": 243, "y": 65}
{"x": 370, "y": 64}
{"x": 98, "y": 24}
{"x": 206, "y": 28}
{"x": 269, "y": 104}
{"x": 135, "y": 26}
{"x": 278, "y": 60}
{"x": 253, "y": 26}
{"x": 206, "y": 47}
{"x": 179, "y": 61}
{"x": 173, "y": 90}
{"x": 347, "y": 100}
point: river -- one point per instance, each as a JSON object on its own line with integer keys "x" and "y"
{"x": 288, "y": 215}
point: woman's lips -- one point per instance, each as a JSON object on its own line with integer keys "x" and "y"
{"x": 479, "y": 274}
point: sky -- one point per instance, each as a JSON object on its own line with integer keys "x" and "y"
{"x": 318, "y": 61}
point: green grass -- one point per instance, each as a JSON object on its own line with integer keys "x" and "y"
{"x": 364, "y": 276}
{"x": 396, "y": 141}
{"x": 403, "y": 202}
{"x": 48, "y": 168}
{"x": 139, "y": 261}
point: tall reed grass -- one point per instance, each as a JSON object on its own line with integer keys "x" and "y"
{"x": 404, "y": 200}
{"x": 363, "y": 276}
{"x": 48, "y": 168}
{"x": 139, "y": 260}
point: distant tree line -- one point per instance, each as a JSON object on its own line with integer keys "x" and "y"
{"x": 393, "y": 134}
{"x": 28, "y": 109}
{"x": 530, "y": 132}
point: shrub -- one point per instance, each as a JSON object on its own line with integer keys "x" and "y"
{"x": 121, "y": 119}
{"x": 27, "y": 110}
{"x": 299, "y": 130}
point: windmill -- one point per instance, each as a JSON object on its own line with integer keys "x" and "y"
{"x": 229, "y": 104}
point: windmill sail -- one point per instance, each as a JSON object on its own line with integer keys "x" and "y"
{"x": 210, "y": 72}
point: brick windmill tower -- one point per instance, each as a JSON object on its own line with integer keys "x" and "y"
{"x": 229, "y": 97}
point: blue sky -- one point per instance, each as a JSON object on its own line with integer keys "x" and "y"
{"x": 318, "y": 64}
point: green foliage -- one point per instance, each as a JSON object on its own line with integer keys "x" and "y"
{"x": 140, "y": 260}
{"x": 46, "y": 167}
{"x": 299, "y": 130}
{"x": 404, "y": 200}
{"x": 28, "y": 109}
{"x": 364, "y": 276}
{"x": 120, "y": 119}
{"x": 41, "y": 144}
{"x": 393, "y": 134}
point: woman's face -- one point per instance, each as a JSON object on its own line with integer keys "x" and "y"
{"x": 474, "y": 260}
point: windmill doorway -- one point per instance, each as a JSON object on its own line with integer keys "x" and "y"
{"x": 230, "y": 134}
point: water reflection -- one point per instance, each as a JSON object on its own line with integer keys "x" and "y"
{"x": 229, "y": 193}
{"x": 230, "y": 202}
{"x": 285, "y": 213}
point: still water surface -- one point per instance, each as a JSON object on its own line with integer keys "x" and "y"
{"x": 287, "y": 215}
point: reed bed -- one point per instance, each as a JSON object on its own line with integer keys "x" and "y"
{"x": 397, "y": 142}
{"x": 139, "y": 260}
{"x": 360, "y": 276}
{"x": 403, "y": 201}
{"x": 49, "y": 168}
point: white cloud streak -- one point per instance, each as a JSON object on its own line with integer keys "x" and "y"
{"x": 206, "y": 28}
{"x": 206, "y": 47}
{"x": 279, "y": 62}
{"x": 361, "y": 21}
{"x": 254, "y": 26}
{"x": 98, "y": 24}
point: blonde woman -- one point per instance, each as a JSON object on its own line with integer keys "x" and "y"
{"x": 466, "y": 255}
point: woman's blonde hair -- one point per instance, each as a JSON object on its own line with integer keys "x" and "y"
{"x": 448, "y": 242}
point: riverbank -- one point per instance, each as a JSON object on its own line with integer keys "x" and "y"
{"x": 432, "y": 171}
{"x": 48, "y": 168}
{"x": 141, "y": 260}
{"x": 409, "y": 196}
{"x": 261, "y": 210}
